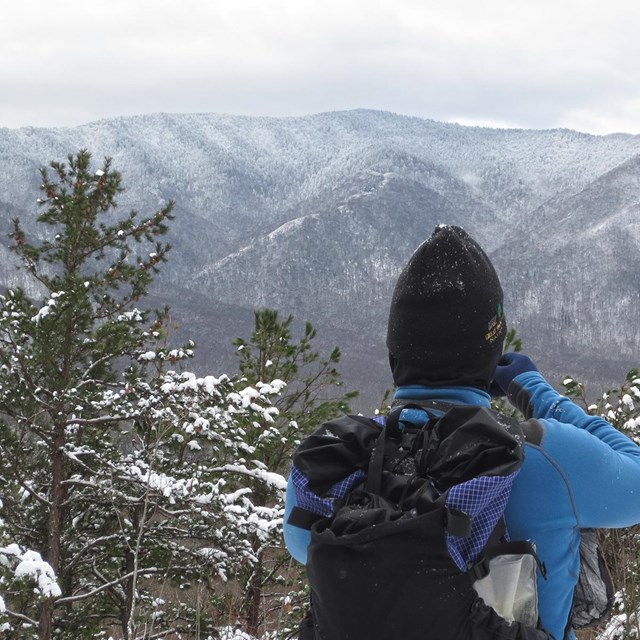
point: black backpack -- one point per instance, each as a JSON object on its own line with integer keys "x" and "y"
{"x": 405, "y": 520}
{"x": 407, "y": 535}
{"x": 408, "y": 538}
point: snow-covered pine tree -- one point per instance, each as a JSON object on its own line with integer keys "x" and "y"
{"x": 112, "y": 462}
{"x": 314, "y": 394}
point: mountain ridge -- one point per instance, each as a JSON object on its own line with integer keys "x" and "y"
{"x": 316, "y": 215}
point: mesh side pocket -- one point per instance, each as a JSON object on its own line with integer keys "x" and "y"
{"x": 510, "y": 588}
{"x": 594, "y": 595}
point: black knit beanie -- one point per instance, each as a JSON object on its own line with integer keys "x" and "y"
{"x": 446, "y": 323}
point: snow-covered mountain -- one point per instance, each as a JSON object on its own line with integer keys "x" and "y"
{"x": 315, "y": 216}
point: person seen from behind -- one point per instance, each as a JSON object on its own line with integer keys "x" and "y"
{"x": 445, "y": 338}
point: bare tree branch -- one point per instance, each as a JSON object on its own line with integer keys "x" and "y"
{"x": 113, "y": 583}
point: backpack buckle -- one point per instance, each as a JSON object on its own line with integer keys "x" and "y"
{"x": 457, "y": 522}
{"x": 479, "y": 570}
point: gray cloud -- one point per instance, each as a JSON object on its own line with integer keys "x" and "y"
{"x": 530, "y": 63}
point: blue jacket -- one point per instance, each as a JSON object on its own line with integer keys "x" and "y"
{"x": 583, "y": 474}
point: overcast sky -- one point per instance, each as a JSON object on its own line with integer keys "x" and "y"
{"x": 508, "y": 63}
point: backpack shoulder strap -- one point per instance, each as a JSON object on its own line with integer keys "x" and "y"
{"x": 437, "y": 405}
{"x": 533, "y": 431}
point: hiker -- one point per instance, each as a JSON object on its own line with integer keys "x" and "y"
{"x": 445, "y": 339}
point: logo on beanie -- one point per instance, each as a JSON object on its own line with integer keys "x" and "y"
{"x": 496, "y": 326}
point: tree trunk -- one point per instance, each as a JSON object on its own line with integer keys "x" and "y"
{"x": 253, "y": 597}
{"x": 55, "y": 526}
{"x": 45, "y": 626}
{"x": 254, "y": 587}
{"x": 130, "y": 585}
{"x": 129, "y": 594}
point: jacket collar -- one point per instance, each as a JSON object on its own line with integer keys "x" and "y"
{"x": 455, "y": 395}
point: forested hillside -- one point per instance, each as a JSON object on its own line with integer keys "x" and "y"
{"x": 316, "y": 215}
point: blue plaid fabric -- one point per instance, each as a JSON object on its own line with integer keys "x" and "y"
{"x": 484, "y": 499}
{"x": 311, "y": 501}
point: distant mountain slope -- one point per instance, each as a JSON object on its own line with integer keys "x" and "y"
{"x": 578, "y": 284}
{"x": 316, "y": 216}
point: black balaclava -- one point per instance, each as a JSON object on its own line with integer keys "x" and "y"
{"x": 446, "y": 322}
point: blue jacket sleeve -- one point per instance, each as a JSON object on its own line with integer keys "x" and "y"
{"x": 583, "y": 473}
{"x": 296, "y": 539}
{"x": 601, "y": 465}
